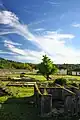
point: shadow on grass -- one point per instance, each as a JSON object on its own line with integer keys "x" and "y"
{"x": 33, "y": 74}
{"x": 19, "y": 109}
{"x": 22, "y": 80}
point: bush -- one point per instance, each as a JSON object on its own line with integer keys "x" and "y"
{"x": 22, "y": 75}
{"x": 60, "y": 81}
{"x": 51, "y": 84}
{"x": 38, "y": 73}
{"x": 74, "y": 84}
{"x": 9, "y": 78}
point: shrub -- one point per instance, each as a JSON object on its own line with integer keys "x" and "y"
{"x": 51, "y": 84}
{"x": 9, "y": 78}
{"x": 74, "y": 84}
{"x": 60, "y": 81}
{"x": 22, "y": 75}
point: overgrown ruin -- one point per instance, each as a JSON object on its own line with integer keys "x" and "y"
{"x": 57, "y": 100}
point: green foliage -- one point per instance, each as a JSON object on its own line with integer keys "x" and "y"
{"x": 22, "y": 75}
{"x": 74, "y": 84}
{"x": 6, "y": 64}
{"x": 46, "y": 67}
{"x": 9, "y": 78}
{"x": 60, "y": 81}
{"x": 51, "y": 84}
{"x": 69, "y": 67}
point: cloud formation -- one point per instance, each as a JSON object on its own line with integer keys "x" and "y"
{"x": 11, "y": 42}
{"x": 76, "y": 25}
{"x": 23, "y": 54}
{"x": 39, "y": 29}
{"x": 4, "y": 52}
{"x": 10, "y": 19}
{"x": 52, "y": 43}
{"x": 53, "y": 3}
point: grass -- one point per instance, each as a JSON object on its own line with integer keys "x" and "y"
{"x": 17, "y": 108}
{"x": 42, "y": 78}
{"x": 66, "y": 76}
{"x": 18, "y": 111}
{"x": 22, "y": 91}
{"x": 3, "y": 99}
{"x": 37, "y": 77}
{"x": 18, "y": 92}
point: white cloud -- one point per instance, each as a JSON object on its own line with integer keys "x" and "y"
{"x": 4, "y": 52}
{"x": 58, "y": 36}
{"x": 52, "y": 43}
{"x": 53, "y": 3}
{"x": 24, "y": 54}
{"x": 10, "y": 19}
{"x": 4, "y": 33}
{"x": 76, "y": 25}
{"x": 37, "y": 22}
{"x": 55, "y": 46}
{"x": 7, "y": 17}
{"x": 11, "y": 42}
{"x": 28, "y": 59}
{"x": 39, "y": 29}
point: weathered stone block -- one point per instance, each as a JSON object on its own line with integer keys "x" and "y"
{"x": 46, "y": 104}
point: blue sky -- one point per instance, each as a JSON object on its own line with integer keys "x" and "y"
{"x": 32, "y": 28}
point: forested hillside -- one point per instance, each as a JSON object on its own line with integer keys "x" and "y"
{"x": 6, "y": 64}
{"x": 69, "y": 67}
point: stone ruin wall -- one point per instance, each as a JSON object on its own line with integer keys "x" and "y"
{"x": 4, "y": 72}
{"x": 56, "y": 93}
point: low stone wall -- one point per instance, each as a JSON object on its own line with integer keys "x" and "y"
{"x": 75, "y": 90}
{"x": 43, "y": 102}
{"x": 55, "y": 92}
{"x": 46, "y": 104}
{"x": 65, "y": 95}
{"x": 4, "y": 72}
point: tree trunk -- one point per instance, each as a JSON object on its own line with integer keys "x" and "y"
{"x": 47, "y": 77}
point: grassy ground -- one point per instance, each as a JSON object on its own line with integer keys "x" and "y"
{"x": 22, "y": 91}
{"x": 42, "y": 78}
{"x": 18, "y": 92}
{"x": 18, "y": 107}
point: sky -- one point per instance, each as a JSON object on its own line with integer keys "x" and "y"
{"x": 30, "y": 29}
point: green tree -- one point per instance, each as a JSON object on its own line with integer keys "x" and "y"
{"x": 46, "y": 67}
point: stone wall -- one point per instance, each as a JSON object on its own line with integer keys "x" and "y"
{"x": 4, "y": 72}
{"x": 55, "y": 92}
{"x": 45, "y": 103}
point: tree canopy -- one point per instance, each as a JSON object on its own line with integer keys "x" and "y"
{"x": 6, "y": 64}
{"x": 46, "y": 67}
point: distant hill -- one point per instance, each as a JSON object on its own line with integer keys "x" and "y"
{"x": 6, "y": 64}
{"x": 69, "y": 67}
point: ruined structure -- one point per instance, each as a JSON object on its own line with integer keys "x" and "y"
{"x": 57, "y": 100}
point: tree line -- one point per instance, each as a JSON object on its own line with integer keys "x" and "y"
{"x": 7, "y": 64}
